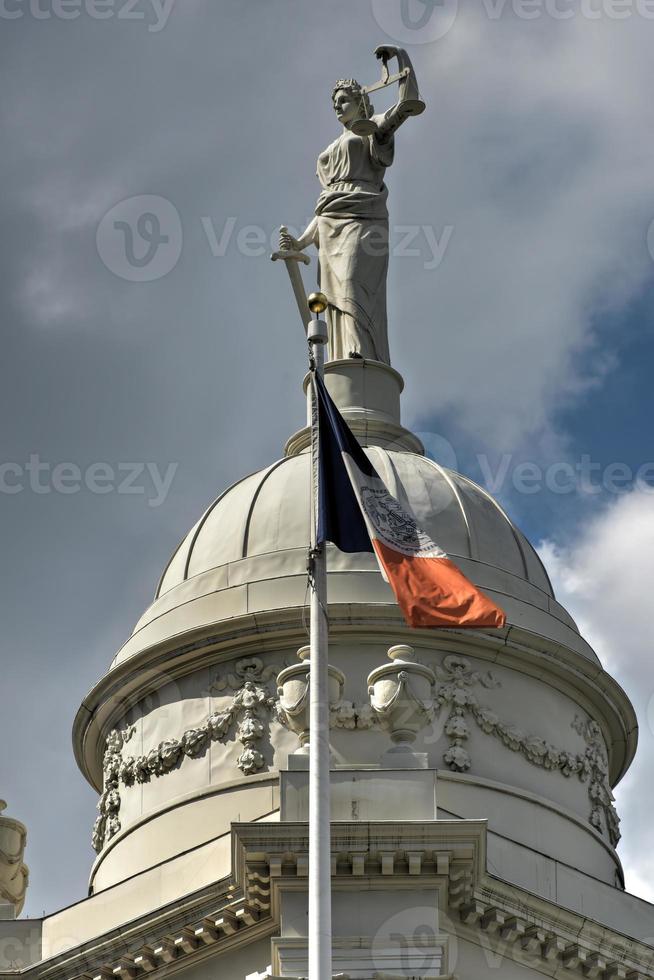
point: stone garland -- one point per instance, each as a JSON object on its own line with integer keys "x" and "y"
{"x": 248, "y": 711}
{"x": 107, "y": 824}
{"x": 591, "y": 766}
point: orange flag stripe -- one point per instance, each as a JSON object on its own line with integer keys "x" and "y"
{"x": 434, "y": 592}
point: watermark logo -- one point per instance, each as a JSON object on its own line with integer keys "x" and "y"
{"x": 424, "y": 21}
{"x": 412, "y": 943}
{"x": 415, "y": 21}
{"x": 423, "y": 242}
{"x": 140, "y": 239}
{"x": 154, "y": 13}
{"x": 562, "y": 10}
{"x": 439, "y": 449}
{"x": 38, "y": 476}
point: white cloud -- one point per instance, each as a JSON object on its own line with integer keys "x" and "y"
{"x": 534, "y": 149}
{"x": 604, "y": 578}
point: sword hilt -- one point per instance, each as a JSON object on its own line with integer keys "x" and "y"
{"x": 288, "y": 256}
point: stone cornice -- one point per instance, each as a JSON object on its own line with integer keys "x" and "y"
{"x": 451, "y": 854}
{"x": 448, "y": 855}
{"x": 528, "y": 928}
{"x": 168, "y": 939}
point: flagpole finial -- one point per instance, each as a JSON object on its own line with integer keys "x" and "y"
{"x": 317, "y": 328}
{"x": 317, "y": 302}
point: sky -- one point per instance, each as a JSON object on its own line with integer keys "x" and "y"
{"x": 152, "y": 355}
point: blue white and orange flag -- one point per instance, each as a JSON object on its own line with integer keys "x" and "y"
{"x": 356, "y": 512}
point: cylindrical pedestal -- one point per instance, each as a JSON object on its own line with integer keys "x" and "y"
{"x": 367, "y": 394}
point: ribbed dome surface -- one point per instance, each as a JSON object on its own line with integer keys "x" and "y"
{"x": 268, "y": 512}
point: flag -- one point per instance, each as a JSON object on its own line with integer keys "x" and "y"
{"x": 356, "y": 512}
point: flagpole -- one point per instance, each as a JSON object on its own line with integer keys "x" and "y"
{"x": 320, "y": 899}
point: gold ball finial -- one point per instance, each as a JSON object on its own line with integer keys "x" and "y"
{"x": 317, "y": 302}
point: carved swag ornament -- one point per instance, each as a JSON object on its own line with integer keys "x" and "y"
{"x": 246, "y": 716}
{"x": 455, "y": 692}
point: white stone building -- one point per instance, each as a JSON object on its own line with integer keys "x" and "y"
{"x": 486, "y": 848}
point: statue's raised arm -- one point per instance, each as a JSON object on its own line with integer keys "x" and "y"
{"x": 350, "y": 228}
{"x": 409, "y": 102}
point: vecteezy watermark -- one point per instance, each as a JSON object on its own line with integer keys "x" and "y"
{"x": 404, "y": 241}
{"x": 153, "y": 13}
{"x": 416, "y": 941}
{"x": 415, "y": 21}
{"x": 425, "y": 21}
{"x": 140, "y": 239}
{"x": 567, "y": 9}
{"x": 583, "y": 476}
{"x": 409, "y": 943}
{"x": 508, "y": 473}
{"x": 38, "y": 476}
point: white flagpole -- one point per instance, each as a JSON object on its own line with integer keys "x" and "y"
{"x": 320, "y": 899}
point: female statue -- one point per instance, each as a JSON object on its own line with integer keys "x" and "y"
{"x": 350, "y": 228}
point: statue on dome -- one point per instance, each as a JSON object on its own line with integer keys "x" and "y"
{"x": 350, "y": 227}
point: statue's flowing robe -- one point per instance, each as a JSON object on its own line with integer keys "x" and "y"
{"x": 353, "y": 244}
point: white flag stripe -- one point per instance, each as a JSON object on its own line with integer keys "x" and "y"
{"x": 385, "y": 517}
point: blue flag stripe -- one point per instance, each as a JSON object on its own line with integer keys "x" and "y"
{"x": 341, "y": 432}
{"x": 339, "y": 516}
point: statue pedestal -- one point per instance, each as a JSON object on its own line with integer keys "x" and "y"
{"x": 367, "y": 394}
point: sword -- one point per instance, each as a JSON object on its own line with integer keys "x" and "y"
{"x": 291, "y": 260}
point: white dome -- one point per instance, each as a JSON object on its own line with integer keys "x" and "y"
{"x": 247, "y": 554}
{"x": 268, "y": 512}
{"x": 246, "y": 557}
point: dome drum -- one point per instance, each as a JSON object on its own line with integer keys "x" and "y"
{"x": 208, "y": 745}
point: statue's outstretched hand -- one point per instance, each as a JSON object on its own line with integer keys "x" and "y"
{"x": 386, "y": 51}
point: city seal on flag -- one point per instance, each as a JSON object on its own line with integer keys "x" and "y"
{"x": 395, "y": 526}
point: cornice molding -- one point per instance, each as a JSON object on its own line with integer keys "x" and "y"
{"x": 168, "y": 939}
{"x": 447, "y": 855}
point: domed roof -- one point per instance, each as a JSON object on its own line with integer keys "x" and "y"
{"x": 268, "y": 512}
{"x": 245, "y": 560}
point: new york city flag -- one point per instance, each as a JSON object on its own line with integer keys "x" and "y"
{"x": 356, "y": 512}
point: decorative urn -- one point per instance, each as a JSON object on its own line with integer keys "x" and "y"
{"x": 402, "y": 695}
{"x": 293, "y": 692}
